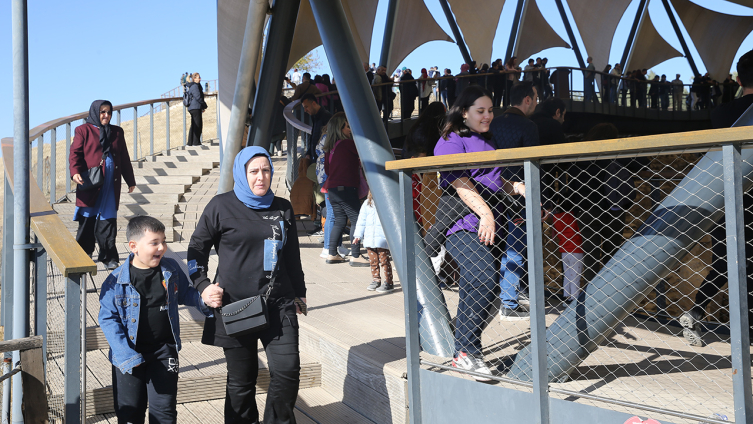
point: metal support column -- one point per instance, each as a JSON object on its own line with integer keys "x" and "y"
{"x": 72, "y": 391}
{"x": 67, "y": 155}
{"x": 167, "y": 127}
{"x": 410, "y": 298}
{"x": 514, "y": 29}
{"x": 276, "y": 53}
{"x": 151, "y": 129}
{"x": 680, "y": 37}
{"x": 534, "y": 240}
{"x": 21, "y": 161}
{"x": 53, "y": 164}
{"x": 7, "y": 265}
{"x": 389, "y": 34}
{"x": 456, "y": 31}
{"x": 374, "y": 149}
{"x": 40, "y": 297}
{"x": 738, "y": 291}
{"x": 135, "y": 153}
{"x": 633, "y": 30}
{"x": 570, "y": 35}
{"x": 247, "y": 65}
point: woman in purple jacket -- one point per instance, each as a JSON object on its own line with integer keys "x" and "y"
{"x": 470, "y": 240}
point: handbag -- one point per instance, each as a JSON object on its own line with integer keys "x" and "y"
{"x": 248, "y": 315}
{"x": 94, "y": 177}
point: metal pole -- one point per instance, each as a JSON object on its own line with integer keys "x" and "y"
{"x": 389, "y": 33}
{"x": 6, "y": 391}
{"x": 633, "y": 30}
{"x": 21, "y": 161}
{"x": 118, "y": 117}
{"x": 72, "y": 348}
{"x": 374, "y": 150}
{"x": 82, "y": 286}
{"x": 167, "y": 127}
{"x": 534, "y": 240}
{"x": 247, "y": 65}
{"x": 684, "y": 45}
{"x": 7, "y": 265}
{"x": 738, "y": 291}
{"x": 40, "y": 297}
{"x": 570, "y": 34}
{"x": 151, "y": 129}
{"x": 456, "y": 31}
{"x": 276, "y": 53}
{"x": 67, "y": 155}
{"x": 53, "y": 164}
{"x": 135, "y": 152}
{"x": 40, "y": 163}
{"x": 410, "y": 298}
{"x": 514, "y": 29}
{"x": 184, "y": 126}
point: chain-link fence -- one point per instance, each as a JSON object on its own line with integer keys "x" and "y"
{"x": 634, "y": 275}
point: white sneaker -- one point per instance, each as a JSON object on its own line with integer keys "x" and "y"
{"x": 436, "y": 261}
{"x": 325, "y": 253}
{"x": 468, "y": 362}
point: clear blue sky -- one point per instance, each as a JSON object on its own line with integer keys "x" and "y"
{"x": 85, "y": 50}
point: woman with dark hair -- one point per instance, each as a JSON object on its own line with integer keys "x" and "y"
{"x": 471, "y": 236}
{"x": 423, "y": 135}
{"x": 255, "y": 237}
{"x": 99, "y": 144}
{"x": 196, "y": 107}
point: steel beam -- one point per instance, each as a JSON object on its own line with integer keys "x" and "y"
{"x": 389, "y": 33}
{"x": 252, "y": 39}
{"x": 276, "y": 53}
{"x": 570, "y": 34}
{"x": 374, "y": 149}
{"x": 456, "y": 31}
{"x": 680, "y": 37}
{"x": 633, "y": 30}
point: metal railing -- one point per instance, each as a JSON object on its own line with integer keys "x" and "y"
{"x": 601, "y": 226}
{"x": 209, "y": 86}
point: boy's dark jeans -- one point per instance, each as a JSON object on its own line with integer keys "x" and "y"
{"x": 156, "y": 380}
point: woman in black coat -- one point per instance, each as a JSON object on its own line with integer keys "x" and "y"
{"x": 196, "y": 107}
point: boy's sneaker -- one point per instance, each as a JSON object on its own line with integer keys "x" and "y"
{"x": 374, "y": 285}
{"x": 513, "y": 314}
{"x": 524, "y": 301}
{"x": 691, "y": 327}
{"x": 325, "y": 253}
{"x": 334, "y": 259}
{"x": 468, "y": 362}
{"x": 385, "y": 288}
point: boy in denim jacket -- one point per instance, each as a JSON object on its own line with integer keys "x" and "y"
{"x": 139, "y": 317}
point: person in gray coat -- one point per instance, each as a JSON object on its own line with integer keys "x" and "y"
{"x": 196, "y": 107}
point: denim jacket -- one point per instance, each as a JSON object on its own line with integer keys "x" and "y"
{"x": 119, "y": 310}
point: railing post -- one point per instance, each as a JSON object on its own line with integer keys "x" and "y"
{"x": 135, "y": 153}
{"x": 151, "y": 129}
{"x": 67, "y": 155}
{"x": 167, "y": 126}
{"x": 534, "y": 232}
{"x": 184, "y": 126}
{"x": 40, "y": 297}
{"x": 738, "y": 292}
{"x": 53, "y": 164}
{"x": 410, "y": 297}
{"x": 40, "y": 163}
{"x": 118, "y": 123}
{"x": 7, "y": 265}
{"x": 82, "y": 285}
{"x": 72, "y": 348}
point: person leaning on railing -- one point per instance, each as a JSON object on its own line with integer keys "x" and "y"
{"x": 99, "y": 144}
{"x": 196, "y": 107}
{"x": 471, "y": 238}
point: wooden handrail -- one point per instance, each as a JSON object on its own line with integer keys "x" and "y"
{"x": 676, "y": 141}
{"x": 59, "y": 243}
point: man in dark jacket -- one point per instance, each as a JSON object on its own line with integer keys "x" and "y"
{"x": 319, "y": 117}
{"x": 447, "y": 89}
{"x": 514, "y": 129}
{"x": 408, "y": 94}
{"x": 196, "y": 107}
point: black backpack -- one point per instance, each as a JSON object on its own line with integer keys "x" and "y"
{"x": 186, "y": 96}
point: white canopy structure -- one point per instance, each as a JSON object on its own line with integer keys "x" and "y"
{"x": 649, "y": 48}
{"x": 596, "y": 23}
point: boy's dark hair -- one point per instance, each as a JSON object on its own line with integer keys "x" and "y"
{"x": 551, "y": 105}
{"x": 466, "y": 99}
{"x": 520, "y": 90}
{"x": 745, "y": 69}
{"x": 139, "y": 225}
{"x": 309, "y": 96}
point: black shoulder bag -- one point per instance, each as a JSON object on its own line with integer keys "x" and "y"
{"x": 94, "y": 178}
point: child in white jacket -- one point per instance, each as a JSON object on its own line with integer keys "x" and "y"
{"x": 370, "y": 233}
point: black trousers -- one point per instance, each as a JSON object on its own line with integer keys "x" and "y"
{"x": 345, "y": 205}
{"x": 280, "y": 342}
{"x": 602, "y": 232}
{"x": 197, "y": 126}
{"x": 155, "y": 381}
{"x": 103, "y": 232}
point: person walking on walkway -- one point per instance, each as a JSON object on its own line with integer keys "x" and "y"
{"x": 254, "y": 234}
{"x": 99, "y": 144}
{"x": 196, "y": 107}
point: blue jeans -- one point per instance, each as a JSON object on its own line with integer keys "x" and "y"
{"x": 512, "y": 266}
{"x": 329, "y": 223}
{"x": 479, "y": 272}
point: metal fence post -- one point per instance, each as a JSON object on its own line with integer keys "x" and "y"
{"x": 167, "y": 126}
{"x": 738, "y": 291}
{"x": 7, "y": 265}
{"x": 40, "y": 163}
{"x": 72, "y": 348}
{"x": 82, "y": 286}
{"x": 151, "y": 129}
{"x": 118, "y": 117}
{"x": 534, "y": 240}
{"x": 135, "y": 153}
{"x": 67, "y": 155}
{"x": 40, "y": 297}
{"x": 410, "y": 296}
{"x": 184, "y": 126}
{"x": 53, "y": 163}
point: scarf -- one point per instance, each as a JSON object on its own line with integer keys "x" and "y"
{"x": 104, "y": 130}
{"x": 241, "y": 188}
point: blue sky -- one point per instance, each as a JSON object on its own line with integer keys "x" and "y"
{"x": 85, "y": 50}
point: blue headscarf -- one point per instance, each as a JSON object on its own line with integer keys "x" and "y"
{"x": 241, "y": 188}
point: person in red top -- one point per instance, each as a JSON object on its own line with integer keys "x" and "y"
{"x": 343, "y": 168}
{"x": 97, "y": 143}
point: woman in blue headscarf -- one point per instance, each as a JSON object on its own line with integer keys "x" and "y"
{"x": 255, "y": 237}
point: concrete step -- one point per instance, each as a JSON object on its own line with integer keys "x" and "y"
{"x": 150, "y": 198}
{"x": 172, "y": 164}
{"x": 168, "y": 180}
{"x": 183, "y": 157}
{"x": 158, "y": 188}
{"x": 133, "y": 209}
{"x": 168, "y": 172}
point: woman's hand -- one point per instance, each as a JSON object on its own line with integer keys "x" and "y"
{"x": 519, "y": 188}
{"x": 486, "y": 229}
{"x": 77, "y": 179}
{"x": 298, "y": 308}
{"x": 357, "y": 240}
{"x": 212, "y": 296}
{"x": 131, "y": 188}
